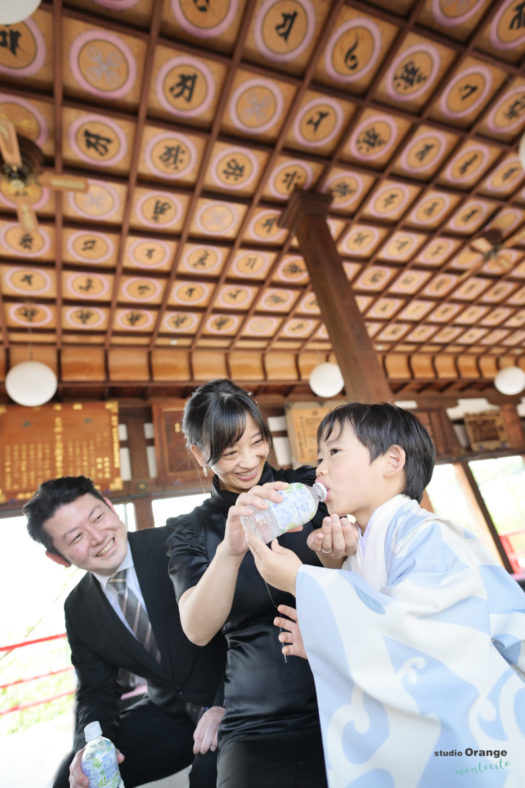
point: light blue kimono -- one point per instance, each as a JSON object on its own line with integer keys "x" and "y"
{"x": 418, "y": 654}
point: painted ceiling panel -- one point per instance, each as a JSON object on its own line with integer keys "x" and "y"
{"x": 162, "y": 140}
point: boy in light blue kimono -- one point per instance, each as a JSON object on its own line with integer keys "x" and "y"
{"x": 417, "y": 643}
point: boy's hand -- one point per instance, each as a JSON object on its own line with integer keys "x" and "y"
{"x": 291, "y": 634}
{"x": 334, "y": 541}
{"x": 277, "y": 566}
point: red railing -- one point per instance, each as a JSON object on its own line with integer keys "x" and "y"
{"x": 21, "y": 706}
{"x": 514, "y": 545}
{"x": 32, "y": 642}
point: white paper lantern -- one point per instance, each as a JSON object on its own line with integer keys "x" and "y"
{"x": 13, "y": 11}
{"x": 31, "y": 383}
{"x": 326, "y": 380}
{"x": 510, "y": 380}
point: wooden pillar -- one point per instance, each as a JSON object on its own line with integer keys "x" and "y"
{"x": 144, "y": 513}
{"x": 134, "y": 421}
{"x": 469, "y": 476}
{"x": 362, "y": 373}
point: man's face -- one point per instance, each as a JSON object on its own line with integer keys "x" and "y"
{"x": 88, "y": 534}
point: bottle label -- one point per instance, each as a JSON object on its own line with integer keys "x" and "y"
{"x": 297, "y": 507}
{"x": 99, "y": 763}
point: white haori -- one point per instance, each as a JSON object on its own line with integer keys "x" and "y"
{"x": 417, "y": 649}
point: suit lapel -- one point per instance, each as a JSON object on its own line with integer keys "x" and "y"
{"x": 105, "y": 618}
{"x": 150, "y": 572}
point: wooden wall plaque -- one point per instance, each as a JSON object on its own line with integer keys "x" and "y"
{"x": 486, "y": 430}
{"x": 302, "y": 421}
{"x": 175, "y": 465}
{"x": 441, "y": 430}
{"x": 73, "y": 439}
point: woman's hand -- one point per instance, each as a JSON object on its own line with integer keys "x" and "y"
{"x": 257, "y": 498}
{"x": 291, "y": 633}
{"x": 278, "y": 566}
{"x": 334, "y": 541}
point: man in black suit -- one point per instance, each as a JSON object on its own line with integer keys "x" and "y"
{"x": 155, "y": 736}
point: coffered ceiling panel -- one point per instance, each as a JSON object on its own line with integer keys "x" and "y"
{"x": 161, "y": 141}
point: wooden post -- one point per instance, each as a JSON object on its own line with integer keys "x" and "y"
{"x": 362, "y": 373}
{"x": 144, "y": 513}
{"x": 469, "y": 477}
{"x": 134, "y": 421}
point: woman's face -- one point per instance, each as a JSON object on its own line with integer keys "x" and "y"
{"x": 240, "y": 466}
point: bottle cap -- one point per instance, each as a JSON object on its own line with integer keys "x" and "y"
{"x": 92, "y": 730}
{"x": 321, "y": 490}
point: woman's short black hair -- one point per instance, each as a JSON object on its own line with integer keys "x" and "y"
{"x": 215, "y": 417}
{"x": 380, "y": 426}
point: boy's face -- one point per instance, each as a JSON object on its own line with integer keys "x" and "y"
{"x": 355, "y": 485}
{"x": 88, "y": 533}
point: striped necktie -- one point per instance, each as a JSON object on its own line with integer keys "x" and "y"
{"x": 135, "y": 614}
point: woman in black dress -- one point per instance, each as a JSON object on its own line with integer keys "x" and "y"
{"x": 270, "y": 735}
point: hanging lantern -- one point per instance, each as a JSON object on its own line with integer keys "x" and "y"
{"x": 13, "y": 11}
{"x": 326, "y": 380}
{"x": 31, "y": 383}
{"x": 510, "y": 380}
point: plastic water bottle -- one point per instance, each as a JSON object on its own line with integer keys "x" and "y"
{"x": 99, "y": 759}
{"x": 298, "y": 506}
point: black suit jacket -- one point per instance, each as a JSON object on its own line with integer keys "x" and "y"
{"x": 101, "y": 644}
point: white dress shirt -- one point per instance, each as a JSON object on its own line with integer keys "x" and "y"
{"x": 132, "y": 583}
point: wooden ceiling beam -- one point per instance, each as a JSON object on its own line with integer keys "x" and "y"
{"x": 279, "y": 143}
{"x": 389, "y": 15}
{"x": 3, "y": 325}
{"x": 388, "y": 169}
{"x": 223, "y": 99}
{"x": 58, "y": 88}
{"x": 87, "y": 105}
{"x": 365, "y": 101}
{"x": 302, "y": 79}
{"x": 106, "y": 22}
{"x": 434, "y": 182}
{"x": 252, "y": 309}
{"x": 363, "y": 376}
{"x": 127, "y": 28}
{"x": 149, "y": 183}
{"x": 147, "y": 73}
{"x": 438, "y": 231}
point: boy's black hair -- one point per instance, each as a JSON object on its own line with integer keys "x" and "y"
{"x": 49, "y": 497}
{"x": 215, "y": 417}
{"x": 382, "y": 425}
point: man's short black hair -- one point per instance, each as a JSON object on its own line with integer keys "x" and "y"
{"x": 49, "y": 497}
